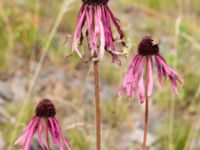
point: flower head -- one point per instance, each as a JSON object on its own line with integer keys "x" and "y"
{"x": 148, "y": 50}
{"x": 148, "y": 47}
{"x": 45, "y": 109}
{"x": 95, "y": 1}
{"x": 44, "y": 119}
{"x": 97, "y": 17}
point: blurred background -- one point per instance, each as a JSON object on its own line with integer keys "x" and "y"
{"x": 36, "y": 37}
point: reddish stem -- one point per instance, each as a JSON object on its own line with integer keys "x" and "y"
{"x": 98, "y": 125}
{"x": 146, "y": 105}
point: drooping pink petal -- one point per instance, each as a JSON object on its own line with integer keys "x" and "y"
{"x": 134, "y": 78}
{"x": 57, "y": 125}
{"x": 98, "y": 18}
{"x": 89, "y": 19}
{"x": 22, "y": 138}
{"x": 61, "y": 135}
{"x": 27, "y": 135}
{"x": 150, "y": 84}
{"x": 96, "y": 30}
{"x": 107, "y": 28}
{"x": 46, "y": 129}
{"x": 130, "y": 81}
{"x": 96, "y": 21}
{"x": 141, "y": 83}
{"x": 32, "y": 131}
{"x": 122, "y": 87}
{"x": 66, "y": 143}
{"x": 169, "y": 70}
{"x": 57, "y": 135}
{"x": 102, "y": 36}
{"x": 164, "y": 72}
{"x": 40, "y": 135}
{"x": 116, "y": 23}
{"x": 81, "y": 11}
{"x": 52, "y": 130}
{"x": 116, "y": 59}
{"x": 174, "y": 85}
{"x": 159, "y": 70}
{"x": 136, "y": 63}
{"x": 109, "y": 35}
{"x": 78, "y": 31}
{"x": 109, "y": 40}
{"x": 173, "y": 76}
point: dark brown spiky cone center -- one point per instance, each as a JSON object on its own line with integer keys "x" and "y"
{"x": 95, "y": 2}
{"x": 147, "y": 47}
{"x": 45, "y": 109}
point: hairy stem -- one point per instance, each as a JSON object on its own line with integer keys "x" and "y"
{"x": 146, "y": 105}
{"x": 97, "y": 100}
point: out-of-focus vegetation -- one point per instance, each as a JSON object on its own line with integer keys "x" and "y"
{"x": 33, "y": 33}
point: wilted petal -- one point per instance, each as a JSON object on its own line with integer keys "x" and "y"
{"x": 116, "y": 23}
{"x": 130, "y": 81}
{"x": 135, "y": 74}
{"x": 57, "y": 136}
{"x": 78, "y": 31}
{"x": 52, "y": 130}
{"x": 46, "y": 132}
{"x": 173, "y": 76}
{"x": 141, "y": 84}
{"x": 22, "y": 138}
{"x": 40, "y": 135}
{"x": 102, "y": 40}
{"x": 150, "y": 69}
{"x": 116, "y": 59}
{"x": 102, "y": 36}
{"x": 123, "y": 87}
{"x": 107, "y": 29}
{"x": 89, "y": 19}
{"x": 26, "y": 137}
{"x": 96, "y": 29}
{"x": 66, "y": 143}
{"x": 29, "y": 137}
{"x": 174, "y": 85}
{"x": 159, "y": 70}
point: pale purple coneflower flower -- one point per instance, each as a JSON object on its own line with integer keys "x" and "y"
{"x": 97, "y": 17}
{"x": 134, "y": 78}
{"x": 45, "y": 120}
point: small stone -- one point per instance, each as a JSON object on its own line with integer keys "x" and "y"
{"x": 5, "y": 92}
{"x": 137, "y": 136}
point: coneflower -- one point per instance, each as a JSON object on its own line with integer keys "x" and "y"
{"x": 45, "y": 120}
{"x": 134, "y": 78}
{"x": 142, "y": 63}
{"x": 97, "y": 17}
